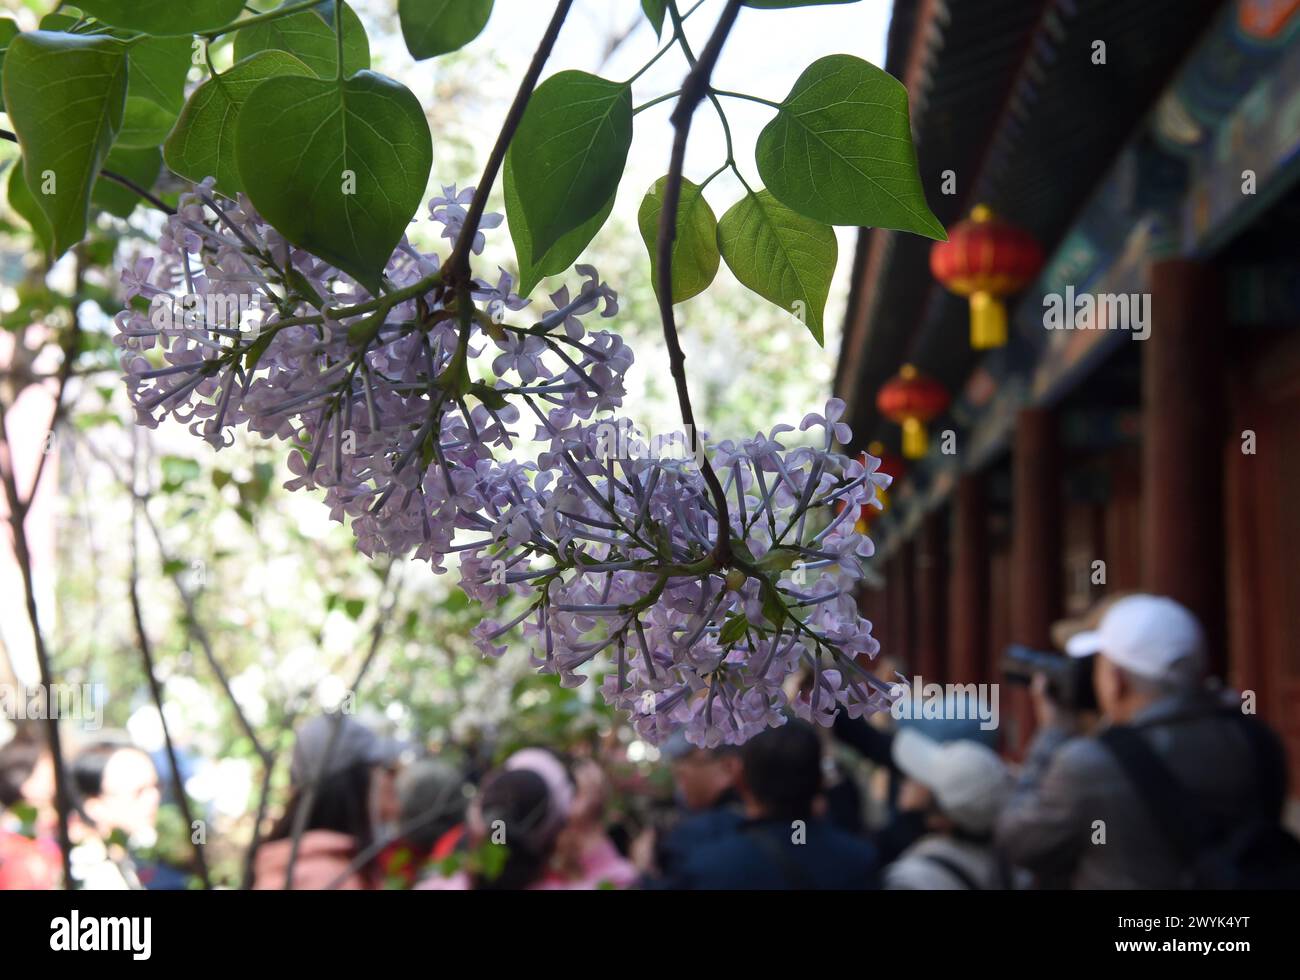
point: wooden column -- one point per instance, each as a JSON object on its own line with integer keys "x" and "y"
{"x": 902, "y": 607}
{"x": 1183, "y": 425}
{"x": 1035, "y": 549}
{"x": 884, "y": 630}
{"x": 932, "y": 599}
{"x": 968, "y": 590}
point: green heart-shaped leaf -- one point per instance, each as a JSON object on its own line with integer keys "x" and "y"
{"x": 338, "y": 167}
{"x": 695, "y": 250}
{"x": 65, "y": 96}
{"x": 840, "y": 150}
{"x": 434, "y": 27}
{"x": 560, "y": 256}
{"x": 310, "y": 38}
{"x": 569, "y": 152}
{"x": 164, "y": 16}
{"x": 203, "y": 142}
{"x": 157, "y": 67}
{"x": 783, "y": 256}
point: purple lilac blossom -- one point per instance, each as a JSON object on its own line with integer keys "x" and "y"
{"x": 597, "y": 547}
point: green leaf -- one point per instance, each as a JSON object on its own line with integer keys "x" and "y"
{"x": 202, "y": 144}
{"x": 733, "y": 629}
{"x": 157, "y": 70}
{"x": 138, "y": 165}
{"x": 65, "y": 97}
{"x": 654, "y": 11}
{"x": 301, "y": 144}
{"x": 569, "y": 153}
{"x": 22, "y": 201}
{"x": 144, "y": 124}
{"x": 775, "y": 610}
{"x": 310, "y": 38}
{"x": 8, "y": 31}
{"x": 178, "y": 471}
{"x": 695, "y": 250}
{"x": 840, "y": 150}
{"x": 781, "y": 255}
{"x": 560, "y": 256}
{"x": 257, "y": 348}
{"x": 434, "y": 27}
{"x": 164, "y": 16}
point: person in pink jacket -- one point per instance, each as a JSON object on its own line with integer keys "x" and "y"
{"x": 548, "y": 827}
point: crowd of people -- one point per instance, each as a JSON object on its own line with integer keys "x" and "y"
{"x": 1166, "y": 784}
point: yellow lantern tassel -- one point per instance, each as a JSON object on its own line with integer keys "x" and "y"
{"x": 988, "y": 321}
{"x": 915, "y": 441}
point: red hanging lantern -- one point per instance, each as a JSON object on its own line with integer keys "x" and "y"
{"x": 911, "y": 400}
{"x": 985, "y": 258}
{"x": 890, "y": 465}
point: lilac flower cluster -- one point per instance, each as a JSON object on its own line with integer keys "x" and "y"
{"x": 597, "y": 547}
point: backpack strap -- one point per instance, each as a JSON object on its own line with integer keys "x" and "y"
{"x": 1177, "y": 815}
{"x": 1269, "y": 761}
{"x": 956, "y": 870}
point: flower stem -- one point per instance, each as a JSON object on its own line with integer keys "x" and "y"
{"x": 751, "y": 98}
{"x": 694, "y": 89}
{"x": 457, "y": 266}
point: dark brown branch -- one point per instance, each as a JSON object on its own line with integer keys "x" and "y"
{"x": 200, "y": 635}
{"x": 155, "y": 691}
{"x": 694, "y": 90}
{"x": 18, "y": 509}
{"x": 457, "y": 268}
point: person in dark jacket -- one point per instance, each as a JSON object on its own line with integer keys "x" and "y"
{"x": 1077, "y": 818}
{"x": 779, "y": 844}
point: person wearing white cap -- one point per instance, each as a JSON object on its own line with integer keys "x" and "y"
{"x": 1077, "y": 816}
{"x": 960, "y": 786}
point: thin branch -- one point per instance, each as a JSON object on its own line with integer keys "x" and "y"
{"x": 18, "y": 509}
{"x": 457, "y": 267}
{"x": 200, "y": 635}
{"x": 155, "y": 691}
{"x": 694, "y": 90}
